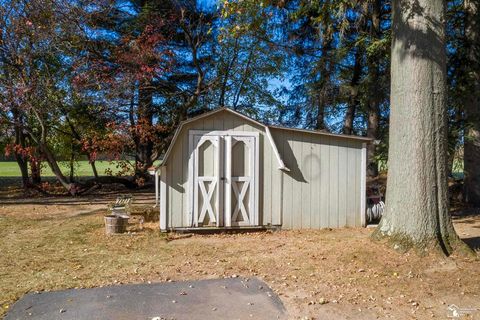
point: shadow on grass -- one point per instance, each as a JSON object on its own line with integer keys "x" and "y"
{"x": 85, "y": 213}
{"x": 102, "y": 197}
{"x": 473, "y": 243}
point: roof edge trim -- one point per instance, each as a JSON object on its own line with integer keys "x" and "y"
{"x": 207, "y": 114}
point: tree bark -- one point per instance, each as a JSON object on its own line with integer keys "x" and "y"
{"x": 94, "y": 167}
{"x": 23, "y": 166}
{"x": 35, "y": 161}
{"x": 375, "y": 95}
{"x": 226, "y": 75}
{"x": 320, "y": 121}
{"x": 472, "y": 105}
{"x": 76, "y": 135}
{"x": 20, "y": 140}
{"x": 372, "y": 132}
{"x": 323, "y": 91}
{"x": 36, "y": 170}
{"x": 244, "y": 79}
{"x": 72, "y": 188}
{"x": 354, "y": 101}
{"x": 72, "y": 163}
{"x": 417, "y": 209}
{"x": 143, "y": 144}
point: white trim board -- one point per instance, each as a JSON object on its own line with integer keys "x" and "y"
{"x": 206, "y": 114}
{"x": 363, "y": 186}
{"x": 323, "y": 133}
{"x": 163, "y": 199}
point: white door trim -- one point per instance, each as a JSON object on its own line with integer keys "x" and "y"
{"x": 224, "y": 194}
{"x": 248, "y": 216}
{"x": 198, "y": 183}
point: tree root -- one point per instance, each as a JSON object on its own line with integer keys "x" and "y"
{"x": 404, "y": 243}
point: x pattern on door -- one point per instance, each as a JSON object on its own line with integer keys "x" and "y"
{"x": 207, "y": 196}
{"x": 240, "y": 197}
{"x": 214, "y": 195}
{"x": 239, "y": 183}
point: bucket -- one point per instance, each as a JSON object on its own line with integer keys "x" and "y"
{"x": 115, "y": 224}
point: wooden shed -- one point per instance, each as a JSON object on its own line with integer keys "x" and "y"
{"x": 226, "y": 170}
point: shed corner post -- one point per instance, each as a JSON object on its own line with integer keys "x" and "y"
{"x": 228, "y": 181}
{"x": 163, "y": 199}
{"x": 363, "y": 186}
{"x": 157, "y": 188}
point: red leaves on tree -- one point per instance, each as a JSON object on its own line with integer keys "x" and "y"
{"x": 136, "y": 57}
{"x": 24, "y": 152}
{"x": 117, "y": 141}
{"x": 113, "y": 144}
{"x": 147, "y": 132}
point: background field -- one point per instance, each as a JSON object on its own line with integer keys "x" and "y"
{"x": 83, "y": 168}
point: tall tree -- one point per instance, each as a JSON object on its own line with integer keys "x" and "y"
{"x": 472, "y": 103}
{"x": 417, "y": 208}
{"x": 376, "y": 90}
{"x": 354, "y": 100}
{"x": 34, "y": 38}
{"x": 121, "y": 63}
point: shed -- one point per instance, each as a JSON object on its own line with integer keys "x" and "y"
{"x": 226, "y": 170}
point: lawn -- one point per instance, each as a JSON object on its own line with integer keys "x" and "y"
{"x": 83, "y": 168}
{"x": 51, "y": 244}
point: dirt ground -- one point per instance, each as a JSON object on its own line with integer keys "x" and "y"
{"x": 56, "y": 243}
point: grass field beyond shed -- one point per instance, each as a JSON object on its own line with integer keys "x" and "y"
{"x": 82, "y": 168}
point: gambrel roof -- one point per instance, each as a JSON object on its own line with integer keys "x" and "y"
{"x": 281, "y": 164}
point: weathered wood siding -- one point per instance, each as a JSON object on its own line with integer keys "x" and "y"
{"x": 322, "y": 188}
{"x": 177, "y": 170}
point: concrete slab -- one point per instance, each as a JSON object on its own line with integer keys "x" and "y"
{"x": 233, "y": 298}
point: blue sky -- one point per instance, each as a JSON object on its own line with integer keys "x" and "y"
{"x": 206, "y": 4}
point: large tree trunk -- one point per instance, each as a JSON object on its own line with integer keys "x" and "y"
{"x": 35, "y": 161}
{"x": 143, "y": 143}
{"x": 77, "y": 136}
{"x": 472, "y": 105}
{"x": 417, "y": 208}
{"x": 20, "y": 141}
{"x": 72, "y": 164}
{"x": 36, "y": 170}
{"x": 23, "y": 166}
{"x": 375, "y": 94}
{"x": 94, "y": 167}
{"x": 72, "y": 188}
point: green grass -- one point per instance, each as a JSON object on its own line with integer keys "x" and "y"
{"x": 83, "y": 168}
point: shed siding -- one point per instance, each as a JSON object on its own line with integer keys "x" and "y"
{"x": 177, "y": 178}
{"x": 322, "y": 188}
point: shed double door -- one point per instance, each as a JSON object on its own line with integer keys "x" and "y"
{"x": 224, "y": 178}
